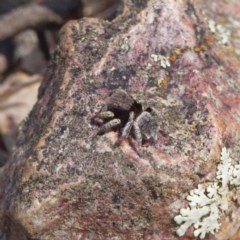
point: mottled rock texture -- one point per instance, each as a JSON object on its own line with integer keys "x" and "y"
{"x": 66, "y": 182}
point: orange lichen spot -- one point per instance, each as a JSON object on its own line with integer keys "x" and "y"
{"x": 209, "y": 39}
{"x": 197, "y": 49}
{"x": 192, "y": 90}
{"x": 203, "y": 47}
{"x": 173, "y": 58}
{"x": 164, "y": 82}
{"x": 200, "y": 48}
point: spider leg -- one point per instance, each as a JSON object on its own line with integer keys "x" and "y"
{"x": 155, "y": 112}
{"x": 143, "y": 118}
{"x": 139, "y": 123}
{"x": 105, "y": 115}
{"x": 127, "y": 128}
{"x": 99, "y": 117}
{"x": 148, "y": 125}
{"x": 137, "y": 133}
{"x": 109, "y": 126}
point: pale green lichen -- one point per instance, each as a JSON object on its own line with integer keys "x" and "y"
{"x": 164, "y": 61}
{"x": 208, "y": 203}
{"x": 125, "y": 45}
{"x": 222, "y": 33}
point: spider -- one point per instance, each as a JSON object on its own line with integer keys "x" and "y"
{"x": 124, "y": 112}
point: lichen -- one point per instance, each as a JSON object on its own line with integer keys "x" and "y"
{"x": 164, "y": 61}
{"x": 222, "y": 33}
{"x": 208, "y": 203}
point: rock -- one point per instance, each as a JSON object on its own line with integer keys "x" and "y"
{"x": 66, "y": 182}
{"x": 3, "y": 158}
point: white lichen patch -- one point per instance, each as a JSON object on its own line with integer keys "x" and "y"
{"x": 125, "y": 45}
{"x": 212, "y": 25}
{"x": 222, "y": 34}
{"x": 208, "y": 203}
{"x": 149, "y": 66}
{"x": 164, "y": 61}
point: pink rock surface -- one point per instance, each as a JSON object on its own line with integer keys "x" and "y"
{"x": 66, "y": 182}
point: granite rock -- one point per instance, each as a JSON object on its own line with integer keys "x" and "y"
{"x": 178, "y": 59}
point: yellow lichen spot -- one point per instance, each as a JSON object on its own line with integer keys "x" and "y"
{"x": 173, "y": 58}
{"x": 178, "y": 51}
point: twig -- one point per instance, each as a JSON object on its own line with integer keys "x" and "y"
{"x": 28, "y": 16}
